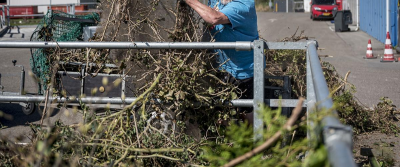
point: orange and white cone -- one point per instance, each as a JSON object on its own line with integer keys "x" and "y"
{"x": 388, "y": 54}
{"x": 370, "y": 55}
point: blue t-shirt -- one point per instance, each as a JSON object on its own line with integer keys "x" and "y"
{"x": 243, "y": 27}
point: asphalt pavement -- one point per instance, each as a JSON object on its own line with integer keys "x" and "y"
{"x": 372, "y": 78}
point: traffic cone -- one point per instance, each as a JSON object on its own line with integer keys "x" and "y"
{"x": 370, "y": 55}
{"x": 388, "y": 54}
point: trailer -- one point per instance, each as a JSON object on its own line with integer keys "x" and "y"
{"x": 18, "y": 11}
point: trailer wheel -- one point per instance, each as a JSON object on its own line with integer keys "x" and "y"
{"x": 29, "y": 108}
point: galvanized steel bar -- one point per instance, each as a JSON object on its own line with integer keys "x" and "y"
{"x": 155, "y": 45}
{"x": 91, "y": 100}
{"x": 311, "y": 101}
{"x": 50, "y": 5}
{"x": 9, "y": 97}
{"x": 286, "y": 45}
{"x": 22, "y": 84}
{"x": 3, "y": 21}
{"x": 337, "y": 137}
{"x": 258, "y": 99}
{"x": 73, "y": 9}
{"x": 80, "y": 73}
{"x": 131, "y": 45}
{"x": 282, "y": 102}
{"x": 320, "y": 85}
{"x": 29, "y": 15}
{"x": 83, "y": 73}
{"x": 8, "y": 16}
{"x": 84, "y": 64}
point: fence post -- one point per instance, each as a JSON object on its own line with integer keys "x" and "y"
{"x": 73, "y": 9}
{"x": 3, "y": 20}
{"x": 258, "y": 98}
{"x": 8, "y": 16}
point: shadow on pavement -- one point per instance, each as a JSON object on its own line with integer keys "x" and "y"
{"x": 8, "y": 29}
{"x": 4, "y": 31}
{"x": 18, "y": 117}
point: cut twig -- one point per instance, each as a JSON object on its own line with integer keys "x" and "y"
{"x": 341, "y": 85}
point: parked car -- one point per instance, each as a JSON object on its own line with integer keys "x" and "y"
{"x": 322, "y": 9}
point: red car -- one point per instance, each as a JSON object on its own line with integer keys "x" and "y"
{"x": 322, "y": 9}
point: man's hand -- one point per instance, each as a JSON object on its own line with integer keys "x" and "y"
{"x": 208, "y": 14}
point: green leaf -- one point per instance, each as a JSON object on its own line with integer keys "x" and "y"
{"x": 234, "y": 95}
{"x": 211, "y": 90}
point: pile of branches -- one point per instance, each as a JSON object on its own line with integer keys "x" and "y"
{"x": 147, "y": 132}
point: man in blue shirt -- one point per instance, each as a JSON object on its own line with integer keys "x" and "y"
{"x": 232, "y": 20}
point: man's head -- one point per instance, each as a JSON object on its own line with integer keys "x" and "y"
{"x": 225, "y": 1}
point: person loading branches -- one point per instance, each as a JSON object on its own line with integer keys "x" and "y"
{"x": 231, "y": 21}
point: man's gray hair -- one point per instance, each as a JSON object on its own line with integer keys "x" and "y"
{"x": 224, "y": 2}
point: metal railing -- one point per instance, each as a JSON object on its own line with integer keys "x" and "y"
{"x": 336, "y": 136}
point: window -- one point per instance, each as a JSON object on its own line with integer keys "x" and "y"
{"x": 3, "y": 1}
{"x": 324, "y": 2}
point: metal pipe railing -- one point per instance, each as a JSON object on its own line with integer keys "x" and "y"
{"x": 28, "y": 15}
{"x": 8, "y": 97}
{"x": 77, "y": 4}
{"x": 240, "y": 45}
{"x": 337, "y": 137}
{"x": 131, "y": 45}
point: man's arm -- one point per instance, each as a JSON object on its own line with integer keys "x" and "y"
{"x": 208, "y": 14}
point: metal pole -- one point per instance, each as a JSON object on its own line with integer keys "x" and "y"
{"x": 73, "y": 9}
{"x": 320, "y": 86}
{"x": 259, "y": 62}
{"x": 22, "y": 86}
{"x": 9, "y": 97}
{"x": 337, "y": 137}
{"x": 311, "y": 100}
{"x": 387, "y": 15}
{"x": 123, "y": 89}
{"x": 287, "y": 6}
{"x": 4, "y": 14}
{"x": 133, "y": 45}
{"x": 8, "y": 16}
{"x": 240, "y": 45}
{"x": 358, "y": 14}
{"x": 83, "y": 73}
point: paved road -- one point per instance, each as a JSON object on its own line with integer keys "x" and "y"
{"x": 372, "y": 78}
